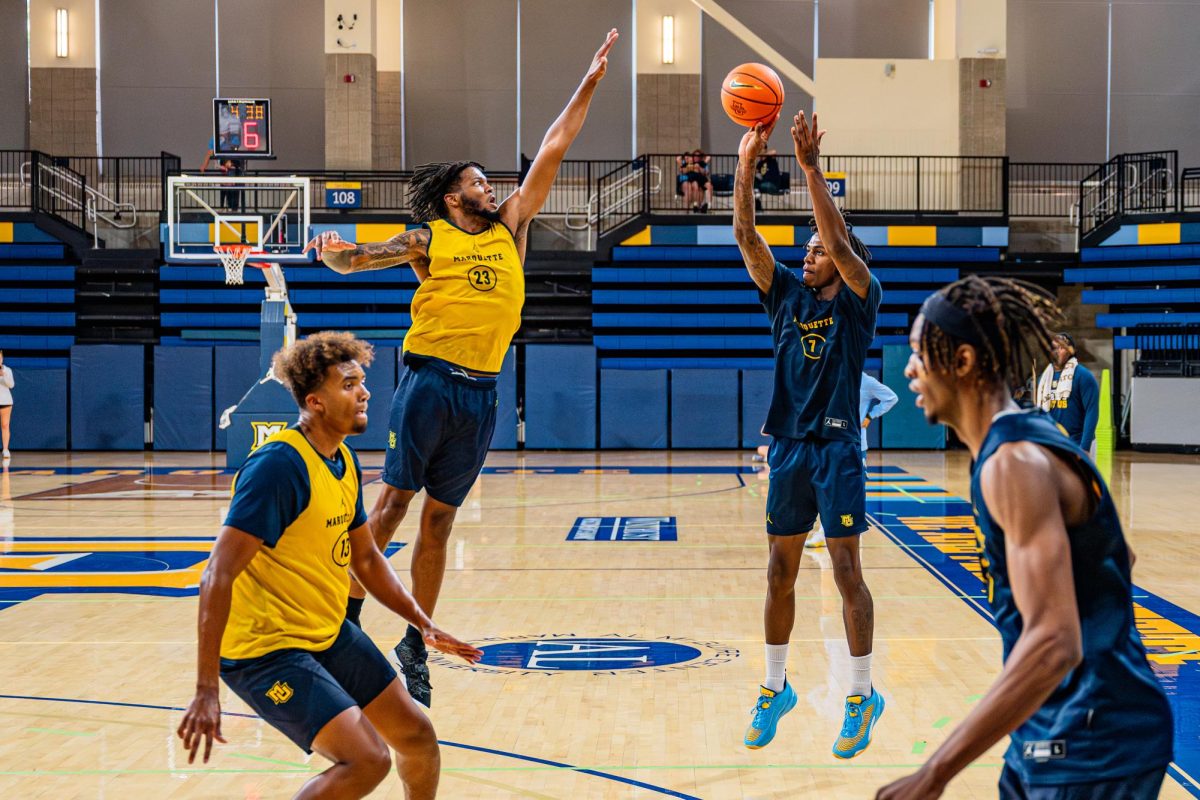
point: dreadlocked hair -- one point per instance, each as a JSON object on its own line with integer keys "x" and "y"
{"x": 1013, "y": 319}
{"x": 302, "y": 365}
{"x": 856, "y": 244}
{"x": 430, "y": 184}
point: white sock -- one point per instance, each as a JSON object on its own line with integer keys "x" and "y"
{"x": 860, "y": 675}
{"x": 776, "y": 666}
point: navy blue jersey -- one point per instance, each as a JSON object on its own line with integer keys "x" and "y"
{"x": 1079, "y": 413}
{"x": 820, "y": 349}
{"x": 1109, "y": 717}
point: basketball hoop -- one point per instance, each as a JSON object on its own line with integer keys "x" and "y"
{"x": 233, "y": 258}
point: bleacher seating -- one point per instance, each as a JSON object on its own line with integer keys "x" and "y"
{"x": 37, "y": 315}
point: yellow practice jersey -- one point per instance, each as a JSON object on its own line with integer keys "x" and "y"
{"x": 293, "y": 593}
{"x": 469, "y": 308}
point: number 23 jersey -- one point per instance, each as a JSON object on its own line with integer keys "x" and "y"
{"x": 469, "y": 308}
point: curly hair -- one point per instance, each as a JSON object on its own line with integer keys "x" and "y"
{"x": 429, "y": 185}
{"x": 856, "y": 244}
{"x": 1008, "y": 322}
{"x": 302, "y": 366}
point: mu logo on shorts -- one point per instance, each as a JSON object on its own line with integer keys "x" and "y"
{"x": 847, "y": 520}
{"x": 264, "y": 431}
{"x": 280, "y": 693}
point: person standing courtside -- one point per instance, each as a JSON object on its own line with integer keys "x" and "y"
{"x": 7, "y": 383}
{"x": 468, "y": 255}
{"x": 1087, "y": 717}
{"x": 273, "y": 595}
{"x": 822, "y": 322}
{"x": 1068, "y": 390}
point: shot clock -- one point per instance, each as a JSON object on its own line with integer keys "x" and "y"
{"x": 242, "y": 128}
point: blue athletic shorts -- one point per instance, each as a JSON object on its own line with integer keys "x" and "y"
{"x": 439, "y": 431}
{"x": 298, "y": 692}
{"x": 1143, "y": 786}
{"x": 816, "y": 476}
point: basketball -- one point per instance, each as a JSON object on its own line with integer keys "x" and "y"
{"x": 752, "y": 93}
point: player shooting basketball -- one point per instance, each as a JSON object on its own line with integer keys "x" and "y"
{"x": 469, "y": 255}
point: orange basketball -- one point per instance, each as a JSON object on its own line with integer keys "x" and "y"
{"x": 752, "y": 93}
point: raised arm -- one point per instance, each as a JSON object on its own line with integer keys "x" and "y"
{"x": 230, "y": 555}
{"x": 524, "y": 204}
{"x": 760, "y": 262}
{"x": 1021, "y": 490}
{"x": 830, "y": 225}
{"x": 409, "y": 247}
{"x": 376, "y": 575}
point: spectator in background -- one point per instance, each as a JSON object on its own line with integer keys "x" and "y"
{"x": 874, "y": 400}
{"x": 693, "y": 179}
{"x": 1069, "y": 392}
{"x": 6, "y": 402}
{"x": 232, "y": 198}
{"x": 768, "y": 178}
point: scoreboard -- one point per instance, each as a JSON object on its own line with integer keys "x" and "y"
{"x": 242, "y": 128}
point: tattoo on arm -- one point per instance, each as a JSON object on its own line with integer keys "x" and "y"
{"x": 403, "y": 248}
{"x": 760, "y": 262}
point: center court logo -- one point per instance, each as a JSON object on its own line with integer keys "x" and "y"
{"x": 601, "y": 655}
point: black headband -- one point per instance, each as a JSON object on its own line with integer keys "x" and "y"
{"x": 1066, "y": 337}
{"x": 951, "y": 319}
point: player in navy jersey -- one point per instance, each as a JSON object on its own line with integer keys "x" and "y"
{"x": 1087, "y": 717}
{"x": 822, "y": 322}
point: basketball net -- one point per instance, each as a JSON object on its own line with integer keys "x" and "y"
{"x": 233, "y": 258}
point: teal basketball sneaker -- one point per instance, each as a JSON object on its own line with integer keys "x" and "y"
{"x": 769, "y": 707}
{"x": 861, "y": 715}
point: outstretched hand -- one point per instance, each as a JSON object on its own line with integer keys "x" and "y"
{"x": 754, "y": 141}
{"x": 600, "y": 61}
{"x": 329, "y": 241}
{"x": 807, "y": 140}
{"x": 438, "y": 639}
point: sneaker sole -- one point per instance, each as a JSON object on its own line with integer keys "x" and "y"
{"x": 394, "y": 660}
{"x": 871, "y": 730}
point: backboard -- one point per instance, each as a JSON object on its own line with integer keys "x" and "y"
{"x": 271, "y": 214}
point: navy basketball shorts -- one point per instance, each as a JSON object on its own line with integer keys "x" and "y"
{"x": 439, "y": 431}
{"x": 298, "y": 692}
{"x": 811, "y": 477}
{"x": 1143, "y": 786}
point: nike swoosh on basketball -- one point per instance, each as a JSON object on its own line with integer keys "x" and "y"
{"x": 733, "y": 84}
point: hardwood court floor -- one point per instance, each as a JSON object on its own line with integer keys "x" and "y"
{"x": 100, "y": 555}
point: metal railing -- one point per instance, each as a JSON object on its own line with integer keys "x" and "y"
{"x": 1130, "y": 183}
{"x": 1189, "y": 189}
{"x": 624, "y": 193}
{"x": 57, "y": 190}
{"x": 1045, "y": 189}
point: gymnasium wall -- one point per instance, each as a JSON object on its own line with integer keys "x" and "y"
{"x": 1057, "y": 75}
{"x": 14, "y": 89}
{"x": 158, "y": 95}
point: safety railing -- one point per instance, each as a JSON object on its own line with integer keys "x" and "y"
{"x": 1045, "y": 189}
{"x": 1189, "y": 189}
{"x": 1130, "y": 183}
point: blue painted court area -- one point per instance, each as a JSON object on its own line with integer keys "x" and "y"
{"x": 941, "y": 536}
{"x": 623, "y": 529}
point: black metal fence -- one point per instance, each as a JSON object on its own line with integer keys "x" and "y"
{"x": 866, "y": 184}
{"x": 1045, "y": 189}
{"x": 1130, "y": 183}
{"x": 1189, "y": 189}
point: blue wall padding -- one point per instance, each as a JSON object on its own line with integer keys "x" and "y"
{"x": 704, "y": 408}
{"x": 107, "y": 397}
{"x": 505, "y": 436}
{"x": 633, "y": 408}
{"x": 235, "y": 370}
{"x": 39, "y": 415}
{"x": 756, "y": 401}
{"x": 381, "y": 383}
{"x": 183, "y": 392}
{"x": 560, "y": 396}
{"x": 905, "y": 426}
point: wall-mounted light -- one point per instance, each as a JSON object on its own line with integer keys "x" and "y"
{"x": 60, "y": 33}
{"x": 668, "y": 40}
